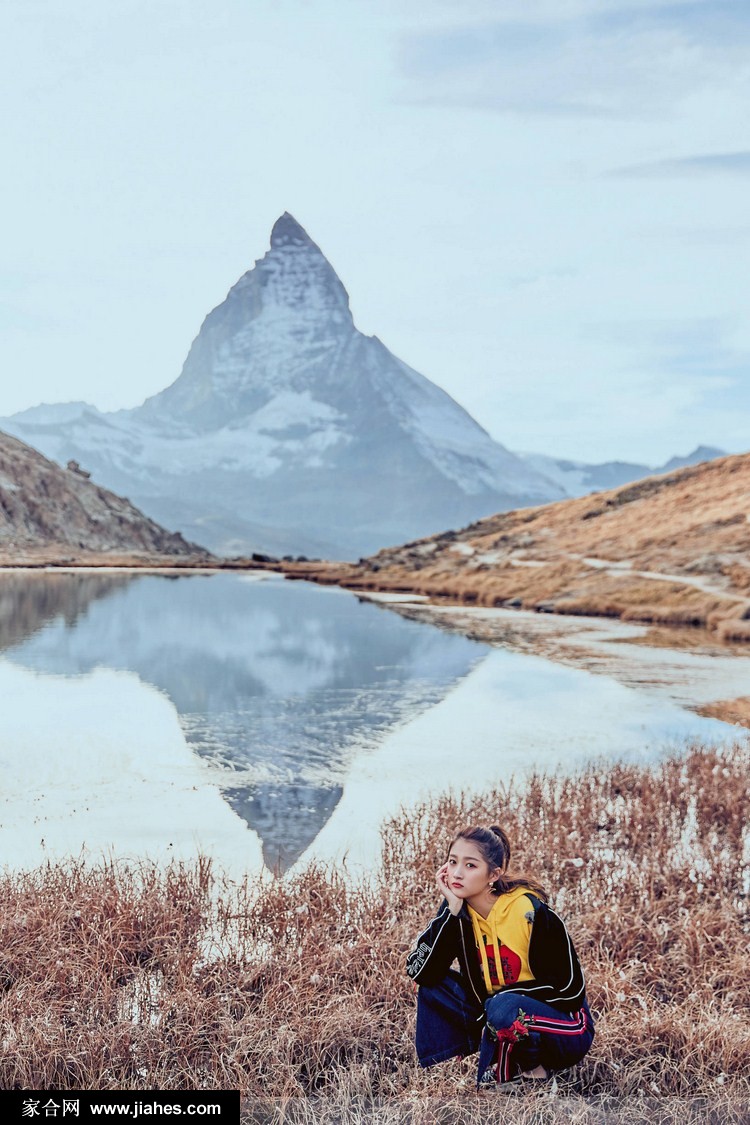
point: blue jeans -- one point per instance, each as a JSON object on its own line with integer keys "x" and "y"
{"x": 449, "y": 1025}
{"x": 523, "y": 1033}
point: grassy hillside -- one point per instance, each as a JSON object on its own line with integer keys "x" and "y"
{"x": 671, "y": 550}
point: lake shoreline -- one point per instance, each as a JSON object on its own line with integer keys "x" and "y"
{"x": 498, "y": 626}
{"x": 689, "y": 635}
{"x": 538, "y": 692}
{"x": 487, "y": 624}
{"x": 671, "y": 626}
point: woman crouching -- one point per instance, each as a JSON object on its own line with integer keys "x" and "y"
{"x": 520, "y": 997}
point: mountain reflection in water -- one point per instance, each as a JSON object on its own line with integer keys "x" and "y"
{"x": 278, "y": 685}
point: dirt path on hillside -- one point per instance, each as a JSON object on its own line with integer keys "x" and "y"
{"x": 610, "y": 567}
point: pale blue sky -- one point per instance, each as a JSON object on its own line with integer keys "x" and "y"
{"x": 541, "y": 207}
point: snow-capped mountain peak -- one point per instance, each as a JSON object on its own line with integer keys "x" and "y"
{"x": 288, "y": 310}
{"x": 295, "y": 274}
{"x": 288, "y": 427}
{"x": 287, "y": 231}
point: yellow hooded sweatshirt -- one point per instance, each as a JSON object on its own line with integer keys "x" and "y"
{"x": 503, "y": 939}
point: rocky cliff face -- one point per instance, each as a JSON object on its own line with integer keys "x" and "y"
{"x": 43, "y": 505}
{"x": 290, "y": 431}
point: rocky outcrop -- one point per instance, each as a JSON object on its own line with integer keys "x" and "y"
{"x": 43, "y": 506}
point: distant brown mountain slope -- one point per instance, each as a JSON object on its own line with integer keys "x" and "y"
{"x": 49, "y": 510}
{"x": 672, "y": 549}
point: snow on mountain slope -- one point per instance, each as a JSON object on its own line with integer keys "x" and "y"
{"x": 289, "y": 425}
{"x": 578, "y": 478}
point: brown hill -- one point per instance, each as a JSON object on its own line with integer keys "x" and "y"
{"x": 47, "y": 512}
{"x": 672, "y": 549}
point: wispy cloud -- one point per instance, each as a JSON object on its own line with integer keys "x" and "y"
{"x": 710, "y": 164}
{"x": 595, "y": 59}
{"x": 699, "y": 21}
{"x": 697, "y": 357}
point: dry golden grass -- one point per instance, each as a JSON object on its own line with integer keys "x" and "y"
{"x": 295, "y": 993}
{"x": 737, "y": 632}
{"x": 669, "y": 550}
{"x": 735, "y": 711}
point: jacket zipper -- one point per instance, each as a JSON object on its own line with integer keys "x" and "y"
{"x": 466, "y": 962}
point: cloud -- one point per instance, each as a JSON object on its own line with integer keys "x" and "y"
{"x": 710, "y": 164}
{"x": 702, "y": 21}
{"x": 676, "y": 383}
{"x": 590, "y": 60}
{"x": 698, "y": 357}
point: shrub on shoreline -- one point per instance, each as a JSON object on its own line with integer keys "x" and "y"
{"x": 116, "y": 977}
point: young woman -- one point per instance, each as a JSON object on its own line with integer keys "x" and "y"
{"x": 519, "y": 996}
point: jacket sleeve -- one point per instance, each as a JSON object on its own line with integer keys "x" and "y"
{"x": 558, "y": 977}
{"x": 553, "y": 958}
{"x": 435, "y": 949}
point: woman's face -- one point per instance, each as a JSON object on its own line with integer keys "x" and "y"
{"x": 469, "y": 874}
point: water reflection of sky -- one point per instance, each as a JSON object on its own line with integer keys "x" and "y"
{"x": 278, "y": 685}
{"x": 514, "y": 714}
{"x": 132, "y": 703}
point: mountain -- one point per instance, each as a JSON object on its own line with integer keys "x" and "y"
{"x": 700, "y": 453}
{"x": 44, "y": 507}
{"x": 289, "y": 430}
{"x": 670, "y": 550}
{"x": 577, "y": 478}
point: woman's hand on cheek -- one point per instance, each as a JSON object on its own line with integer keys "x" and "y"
{"x": 454, "y": 903}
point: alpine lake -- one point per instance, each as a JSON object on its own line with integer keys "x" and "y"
{"x": 266, "y": 723}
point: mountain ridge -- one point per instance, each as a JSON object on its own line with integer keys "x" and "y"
{"x": 578, "y": 478}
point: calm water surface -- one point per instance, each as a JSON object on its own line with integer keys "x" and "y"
{"x": 264, "y": 720}
{"x": 279, "y": 685}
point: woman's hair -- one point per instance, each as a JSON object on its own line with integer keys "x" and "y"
{"x": 495, "y": 849}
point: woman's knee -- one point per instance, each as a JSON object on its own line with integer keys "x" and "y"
{"x": 502, "y": 1009}
{"x": 449, "y": 995}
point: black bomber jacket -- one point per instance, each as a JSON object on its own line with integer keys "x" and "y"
{"x": 558, "y": 977}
